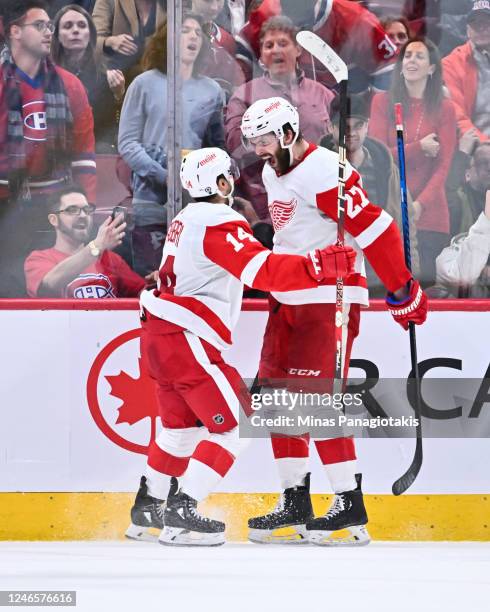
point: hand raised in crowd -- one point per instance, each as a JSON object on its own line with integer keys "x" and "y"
{"x": 430, "y": 145}
{"x": 468, "y": 141}
{"x": 111, "y": 233}
{"x": 122, "y": 43}
{"x": 117, "y": 83}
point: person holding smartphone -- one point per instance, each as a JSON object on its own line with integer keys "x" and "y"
{"x": 77, "y": 267}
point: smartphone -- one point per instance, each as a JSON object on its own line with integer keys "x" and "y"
{"x": 117, "y": 210}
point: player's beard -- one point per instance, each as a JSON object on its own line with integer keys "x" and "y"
{"x": 78, "y": 232}
{"x": 282, "y": 160}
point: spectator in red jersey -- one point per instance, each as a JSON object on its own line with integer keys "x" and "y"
{"x": 351, "y": 30}
{"x": 46, "y": 135}
{"x": 397, "y": 29}
{"x": 430, "y": 142}
{"x": 220, "y": 64}
{"x": 467, "y": 73}
{"x": 76, "y": 267}
{"x": 279, "y": 53}
{"x": 73, "y": 48}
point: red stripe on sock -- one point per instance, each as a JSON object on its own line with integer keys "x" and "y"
{"x": 290, "y": 446}
{"x": 336, "y": 450}
{"x": 165, "y": 463}
{"x": 214, "y": 456}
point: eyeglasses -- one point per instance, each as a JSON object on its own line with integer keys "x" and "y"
{"x": 41, "y": 26}
{"x": 74, "y": 210}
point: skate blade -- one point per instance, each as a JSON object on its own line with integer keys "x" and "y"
{"x": 351, "y": 536}
{"x": 292, "y": 535}
{"x": 142, "y": 534}
{"x": 176, "y": 536}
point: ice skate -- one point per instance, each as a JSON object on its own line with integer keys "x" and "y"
{"x": 345, "y": 522}
{"x": 146, "y": 514}
{"x": 286, "y": 523}
{"x": 184, "y": 526}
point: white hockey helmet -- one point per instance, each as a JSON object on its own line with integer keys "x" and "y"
{"x": 200, "y": 169}
{"x": 270, "y": 115}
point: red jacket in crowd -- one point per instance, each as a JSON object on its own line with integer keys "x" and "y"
{"x": 461, "y": 77}
{"x": 426, "y": 176}
{"x": 81, "y": 166}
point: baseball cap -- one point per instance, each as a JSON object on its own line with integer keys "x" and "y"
{"x": 479, "y": 7}
{"x": 357, "y": 106}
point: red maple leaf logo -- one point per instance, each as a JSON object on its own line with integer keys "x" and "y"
{"x": 138, "y": 395}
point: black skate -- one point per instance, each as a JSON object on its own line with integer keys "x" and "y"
{"x": 146, "y": 513}
{"x": 345, "y": 522}
{"x": 286, "y": 523}
{"x": 184, "y": 526}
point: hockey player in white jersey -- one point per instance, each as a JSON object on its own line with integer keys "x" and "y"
{"x": 209, "y": 254}
{"x": 301, "y": 180}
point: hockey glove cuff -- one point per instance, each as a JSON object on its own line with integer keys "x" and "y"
{"x": 332, "y": 262}
{"x": 413, "y": 308}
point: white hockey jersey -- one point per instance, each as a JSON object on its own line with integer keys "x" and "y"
{"x": 209, "y": 254}
{"x": 303, "y": 208}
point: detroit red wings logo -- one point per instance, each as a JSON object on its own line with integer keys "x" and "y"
{"x": 282, "y": 213}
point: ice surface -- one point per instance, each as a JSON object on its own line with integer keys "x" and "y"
{"x": 130, "y": 576}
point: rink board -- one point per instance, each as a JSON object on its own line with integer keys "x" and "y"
{"x": 67, "y": 372}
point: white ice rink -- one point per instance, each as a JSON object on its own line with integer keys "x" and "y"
{"x": 139, "y": 577}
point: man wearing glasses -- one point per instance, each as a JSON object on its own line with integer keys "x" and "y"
{"x": 46, "y": 135}
{"x": 77, "y": 267}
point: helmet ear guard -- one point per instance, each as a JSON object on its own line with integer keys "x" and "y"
{"x": 200, "y": 170}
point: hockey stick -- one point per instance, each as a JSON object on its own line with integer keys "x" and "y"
{"x": 328, "y": 58}
{"x": 408, "y": 478}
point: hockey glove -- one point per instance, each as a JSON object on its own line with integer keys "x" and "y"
{"x": 332, "y": 262}
{"x": 413, "y": 308}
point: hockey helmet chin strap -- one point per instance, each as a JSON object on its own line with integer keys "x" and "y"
{"x": 289, "y": 147}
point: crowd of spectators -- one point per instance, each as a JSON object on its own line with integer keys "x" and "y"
{"x": 83, "y": 127}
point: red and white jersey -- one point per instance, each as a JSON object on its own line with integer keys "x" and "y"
{"x": 80, "y": 164}
{"x": 209, "y": 254}
{"x": 107, "y": 277}
{"x": 303, "y": 208}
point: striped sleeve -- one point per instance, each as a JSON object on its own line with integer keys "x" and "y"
{"x": 373, "y": 229}
{"x": 233, "y": 247}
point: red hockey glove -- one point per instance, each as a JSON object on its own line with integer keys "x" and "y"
{"x": 331, "y": 262}
{"x": 413, "y": 308}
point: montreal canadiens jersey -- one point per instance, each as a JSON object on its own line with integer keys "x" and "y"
{"x": 303, "y": 208}
{"x": 209, "y": 254}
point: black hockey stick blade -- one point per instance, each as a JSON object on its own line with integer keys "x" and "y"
{"x": 407, "y": 480}
{"x": 323, "y": 53}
